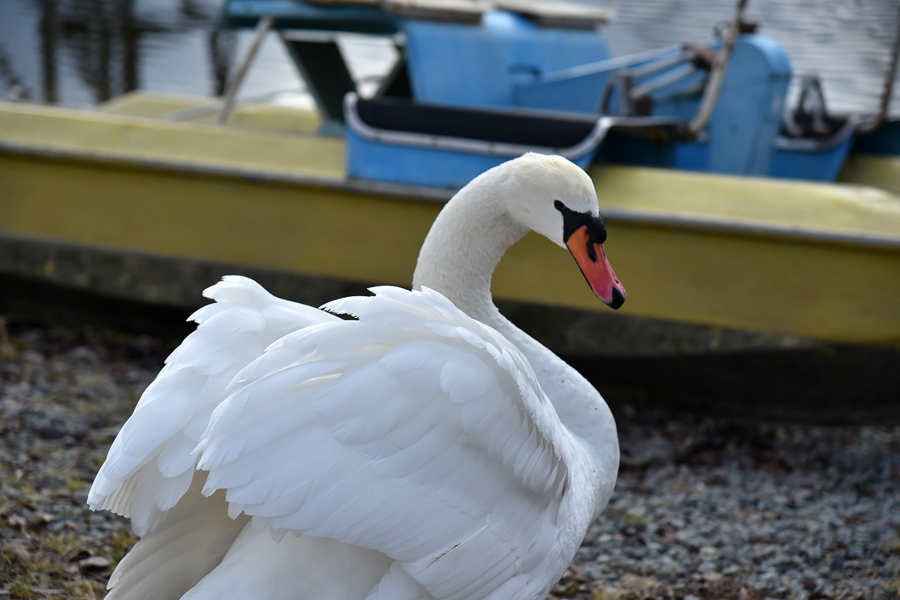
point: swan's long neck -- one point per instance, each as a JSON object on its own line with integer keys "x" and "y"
{"x": 462, "y": 249}
{"x": 458, "y": 259}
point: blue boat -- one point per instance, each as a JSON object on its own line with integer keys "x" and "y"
{"x": 477, "y": 84}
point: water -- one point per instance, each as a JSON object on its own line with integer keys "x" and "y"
{"x": 79, "y": 52}
{"x": 846, "y": 43}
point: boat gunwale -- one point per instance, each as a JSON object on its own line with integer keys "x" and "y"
{"x": 407, "y": 192}
{"x": 815, "y": 236}
{"x": 440, "y": 195}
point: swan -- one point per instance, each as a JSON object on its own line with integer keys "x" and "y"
{"x": 424, "y": 449}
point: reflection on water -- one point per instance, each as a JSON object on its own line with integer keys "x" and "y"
{"x": 101, "y": 46}
{"x": 86, "y": 51}
{"x": 845, "y": 42}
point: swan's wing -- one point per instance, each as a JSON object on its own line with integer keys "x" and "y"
{"x": 150, "y": 465}
{"x": 415, "y": 431}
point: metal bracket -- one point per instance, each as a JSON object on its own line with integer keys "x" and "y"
{"x": 259, "y": 34}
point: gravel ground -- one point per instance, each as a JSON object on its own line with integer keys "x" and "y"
{"x": 703, "y": 508}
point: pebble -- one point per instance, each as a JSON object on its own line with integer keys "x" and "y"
{"x": 781, "y": 511}
{"x": 64, "y": 393}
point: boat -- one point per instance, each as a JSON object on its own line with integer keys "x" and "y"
{"x": 148, "y": 199}
{"x": 717, "y": 108}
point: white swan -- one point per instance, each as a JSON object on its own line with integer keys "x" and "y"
{"x": 412, "y": 453}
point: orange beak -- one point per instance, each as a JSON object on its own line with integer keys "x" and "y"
{"x": 591, "y": 259}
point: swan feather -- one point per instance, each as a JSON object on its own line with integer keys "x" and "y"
{"x": 432, "y": 422}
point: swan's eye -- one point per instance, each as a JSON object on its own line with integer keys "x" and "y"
{"x": 574, "y": 220}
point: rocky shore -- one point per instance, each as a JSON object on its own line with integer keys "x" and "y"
{"x": 704, "y": 508}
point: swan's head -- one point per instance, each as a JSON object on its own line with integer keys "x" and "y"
{"x": 556, "y": 198}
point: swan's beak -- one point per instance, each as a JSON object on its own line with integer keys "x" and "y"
{"x": 591, "y": 259}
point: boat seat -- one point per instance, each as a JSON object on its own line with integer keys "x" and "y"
{"x": 527, "y": 128}
{"x": 399, "y": 141}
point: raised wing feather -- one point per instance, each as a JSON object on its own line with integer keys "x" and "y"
{"x": 415, "y": 431}
{"x": 150, "y": 464}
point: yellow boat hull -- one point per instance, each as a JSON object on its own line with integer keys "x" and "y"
{"x": 776, "y": 257}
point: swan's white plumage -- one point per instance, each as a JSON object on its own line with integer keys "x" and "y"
{"x": 425, "y": 437}
{"x": 167, "y": 563}
{"x": 150, "y": 464}
{"x": 408, "y": 453}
